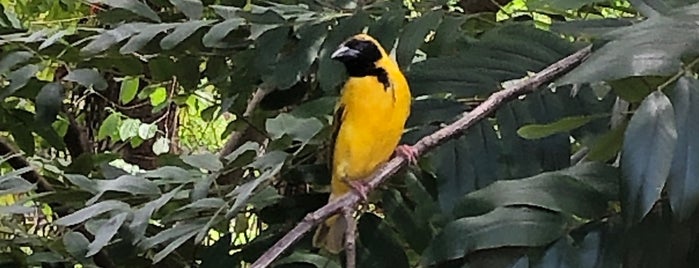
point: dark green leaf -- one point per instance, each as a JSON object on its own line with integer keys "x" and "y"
{"x": 191, "y": 8}
{"x": 105, "y": 233}
{"x": 502, "y": 227}
{"x": 182, "y": 32}
{"x": 214, "y": 37}
{"x": 18, "y": 79}
{"x": 649, "y": 144}
{"x": 135, "y": 6}
{"x": 24, "y": 138}
{"x": 206, "y": 161}
{"x": 109, "y": 38}
{"x": 413, "y": 36}
{"x": 53, "y": 39}
{"x": 126, "y": 184}
{"x": 607, "y": 145}
{"x": 13, "y": 59}
{"x": 91, "y": 212}
{"x": 141, "y": 217}
{"x": 595, "y": 27}
{"x": 48, "y": 103}
{"x": 139, "y": 40}
{"x": 657, "y": 43}
{"x": 10, "y": 184}
{"x": 87, "y": 78}
{"x": 387, "y": 28}
{"x": 292, "y": 66}
{"x": 76, "y": 245}
{"x": 537, "y": 131}
{"x": 683, "y": 183}
{"x": 377, "y": 246}
{"x": 300, "y": 129}
{"x": 551, "y": 191}
{"x": 560, "y": 4}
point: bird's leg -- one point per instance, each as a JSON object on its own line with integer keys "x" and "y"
{"x": 408, "y": 152}
{"x": 360, "y": 186}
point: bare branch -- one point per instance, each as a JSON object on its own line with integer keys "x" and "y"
{"x": 425, "y": 144}
{"x": 234, "y": 139}
{"x": 18, "y": 162}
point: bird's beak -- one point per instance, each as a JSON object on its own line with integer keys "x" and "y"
{"x": 344, "y": 52}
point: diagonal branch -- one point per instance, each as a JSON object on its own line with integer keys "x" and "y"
{"x": 425, "y": 144}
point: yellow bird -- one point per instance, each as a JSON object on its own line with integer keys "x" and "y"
{"x": 369, "y": 121}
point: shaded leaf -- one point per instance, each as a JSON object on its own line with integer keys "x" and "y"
{"x": 139, "y": 40}
{"x": 135, "y": 6}
{"x": 109, "y": 38}
{"x": 91, "y": 212}
{"x": 87, "y": 78}
{"x": 76, "y": 245}
{"x": 413, "y": 36}
{"x": 105, "y": 233}
{"x": 53, "y": 39}
{"x": 9, "y": 61}
{"x": 607, "y": 146}
{"x": 502, "y": 227}
{"x": 330, "y": 72}
{"x": 537, "y": 131}
{"x": 683, "y": 182}
{"x": 182, "y": 32}
{"x": 191, "y": 8}
{"x": 309, "y": 258}
{"x": 214, "y": 37}
{"x": 300, "y": 129}
{"x": 206, "y": 161}
{"x": 48, "y": 103}
{"x": 126, "y": 184}
{"x": 18, "y": 79}
{"x": 649, "y": 144}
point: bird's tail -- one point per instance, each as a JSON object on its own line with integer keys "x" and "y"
{"x": 330, "y": 234}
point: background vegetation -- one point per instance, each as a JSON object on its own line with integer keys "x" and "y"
{"x": 188, "y": 133}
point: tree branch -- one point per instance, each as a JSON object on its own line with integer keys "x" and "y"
{"x": 425, "y": 144}
{"x": 234, "y": 140}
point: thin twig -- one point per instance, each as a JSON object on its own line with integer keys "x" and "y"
{"x": 425, "y": 144}
{"x": 234, "y": 139}
{"x": 350, "y": 237}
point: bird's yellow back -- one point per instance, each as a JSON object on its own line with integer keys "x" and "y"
{"x": 369, "y": 122}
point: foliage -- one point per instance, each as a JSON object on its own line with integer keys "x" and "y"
{"x": 224, "y": 108}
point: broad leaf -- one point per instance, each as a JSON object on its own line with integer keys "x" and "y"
{"x": 300, "y": 129}
{"x": 182, "y": 32}
{"x": 11, "y": 60}
{"x": 91, "y": 212}
{"x": 48, "y": 103}
{"x": 18, "y": 79}
{"x": 214, "y": 37}
{"x": 135, "y": 6}
{"x": 683, "y": 183}
{"x": 502, "y": 227}
{"x": 537, "y": 131}
{"x": 206, "y": 161}
{"x": 191, "y": 8}
{"x": 413, "y": 36}
{"x": 649, "y": 144}
{"x": 105, "y": 233}
{"x": 88, "y": 78}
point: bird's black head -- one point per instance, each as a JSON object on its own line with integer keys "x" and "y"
{"x": 359, "y": 55}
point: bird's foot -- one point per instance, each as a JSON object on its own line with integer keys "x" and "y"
{"x": 361, "y": 187}
{"x": 408, "y": 152}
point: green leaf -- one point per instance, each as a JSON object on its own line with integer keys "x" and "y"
{"x": 129, "y": 129}
{"x": 413, "y": 36}
{"x": 502, "y": 227}
{"x": 161, "y": 146}
{"x": 109, "y": 38}
{"x": 158, "y": 96}
{"x": 607, "y": 145}
{"x": 299, "y": 129}
{"x": 18, "y": 79}
{"x": 11, "y": 184}
{"x": 387, "y": 28}
{"x": 126, "y": 184}
{"x": 135, "y": 6}
{"x": 657, "y": 44}
{"x": 551, "y": 191}
{"x": 53, "y": 39}
{"x": 206, "y": 161}
{"x": 139, "y": 40}
{"x": 105, "y": 233}
{"x": 683, "y": 183}
{"x": 182, "y": 32}
{"x": 76, "y": 245}
{"x": 110, "y": 127}
{"x": 193, "y": 9}
{"x": 129, "y": 89}
{"x": 24, "y": 138}
{"x": 87, "y": 78}
{"x": 214, "y": 37}
{"x": 141, "y": 217}
{"x": 13, "y": 59}
{"x": 649, "y": 144}
{"x": 560, "y": 4}
{"x": 147, "y": 131}
{"x": 91, "y": 212}
{"x": 538, "y": 131}
{"x": 291, "y": 66}
{"x": 48, "y": 103}
{"x": 505, "y": 53}
{"x": 376, "y": 245}
{"x": 308, "y": 258}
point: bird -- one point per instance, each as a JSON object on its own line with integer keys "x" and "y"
{"x": 368, "y": 123}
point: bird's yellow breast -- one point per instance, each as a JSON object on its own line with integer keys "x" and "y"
{"x": 371, "y": 127}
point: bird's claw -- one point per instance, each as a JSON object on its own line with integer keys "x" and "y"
{"x": 360, "y": 187}
{"x": 408, "y": 152}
